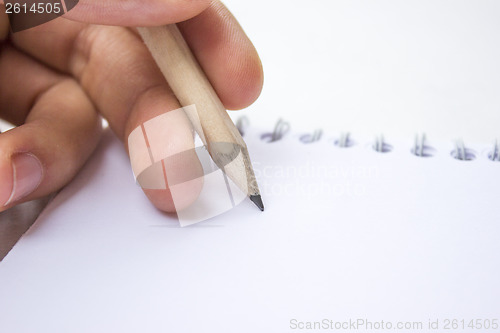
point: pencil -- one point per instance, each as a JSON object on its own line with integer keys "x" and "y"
{"x": 191, "y": 86}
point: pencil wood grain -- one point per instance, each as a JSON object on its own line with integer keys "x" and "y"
{"x": 191, "y": 86}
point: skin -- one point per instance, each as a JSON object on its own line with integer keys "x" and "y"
{"x": 57, "y": 79}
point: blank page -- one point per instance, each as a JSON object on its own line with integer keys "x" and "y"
{"x": 347, "y": 234}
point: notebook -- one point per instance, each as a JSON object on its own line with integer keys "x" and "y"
{"x": 364, "y": 232}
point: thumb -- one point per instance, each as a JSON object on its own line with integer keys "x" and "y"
{"x": 135, "y": 12}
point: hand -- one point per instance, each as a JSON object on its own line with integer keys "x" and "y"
{"x": 56, "y": 78}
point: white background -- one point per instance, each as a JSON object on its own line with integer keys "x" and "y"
{"x": 371, "y": 67}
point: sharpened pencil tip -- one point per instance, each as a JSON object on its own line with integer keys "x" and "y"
{"x": 257, "y": 200}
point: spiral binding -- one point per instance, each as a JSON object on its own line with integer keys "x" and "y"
{"x": 380, "y": 145}
{"x": 494, "y": 155}
{"x": 242, "y": 124}
{"x": 461, "y": 152}
{"x": 344, "y": 140}
{"x": 420, "y": 147}
{"x": 280, "y": 129}
{"x": 310, "y": 138}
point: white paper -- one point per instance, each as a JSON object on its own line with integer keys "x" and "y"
{"x": 347, "y": 233}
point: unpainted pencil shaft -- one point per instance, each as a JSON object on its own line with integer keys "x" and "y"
{"x": 191, "y": 86}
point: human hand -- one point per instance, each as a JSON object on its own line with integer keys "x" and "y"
{"x": 56, "y": 78}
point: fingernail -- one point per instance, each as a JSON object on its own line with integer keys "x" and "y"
{"x": 27, "y": 176}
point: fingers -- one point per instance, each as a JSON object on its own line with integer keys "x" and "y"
{"x": 136, "y": 12}
{"x": 16, "y": 97}
{"x": 161, "y": 149}
{"x": 120, "y": 76}
{"x": 218, "y": 42}
{"x": 226, "y": 54}
{"x": 137, "y": 96}
{"x": 60, "y": 132}
{"x": 136, "y": 93}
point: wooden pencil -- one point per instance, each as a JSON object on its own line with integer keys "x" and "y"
{"x": 191, "y": 86}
